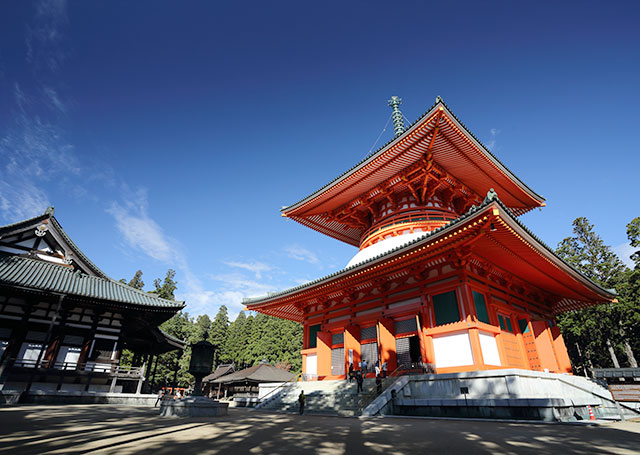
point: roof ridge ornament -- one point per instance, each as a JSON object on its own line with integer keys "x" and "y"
{"x": 50, "y": 210}
{"x": 398, "y": 122}
{"x": 491, "y": 196}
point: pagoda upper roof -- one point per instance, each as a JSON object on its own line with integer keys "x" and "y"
{"x": 521, "y": 253}
{"x": 455, "y": 150}
{"x": 46, "y": 272}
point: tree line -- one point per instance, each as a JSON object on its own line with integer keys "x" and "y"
{"x": 608, "y": 335}
{"x": 601, "y": 336}
{"x": 244, "y": 342}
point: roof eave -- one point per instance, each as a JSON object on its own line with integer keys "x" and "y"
{"x": 288, "y": 210}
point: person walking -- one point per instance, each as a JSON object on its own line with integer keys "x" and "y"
{"x": 364, "y": 367}
{"x": 161, "y": 394}
{"x": 384, "y": 369}
{"x": 301, "y": 400}
{"x": 359, "y": 380}
{"x": 350, "y": 377}
{"x": 378, "y": 384}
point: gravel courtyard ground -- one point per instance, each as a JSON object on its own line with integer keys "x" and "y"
{"x": 96, "y": 429}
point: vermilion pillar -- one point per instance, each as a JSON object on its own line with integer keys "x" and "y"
{"x": 352, "y": 341}
{"x": 324, "y": 354}
{"x": 387, "y": 343}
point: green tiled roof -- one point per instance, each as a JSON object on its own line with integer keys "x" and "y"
{"x": 35, "y": 274}
{"x": 48, "y": 214}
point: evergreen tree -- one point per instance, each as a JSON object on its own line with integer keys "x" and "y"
{"x": 166, "y": 288}
{"x": 235, "y": 342}
{"x": 245, "y": 359}
{"x": 180, "y": 326}
{"x": 630, "y": 298}
{"x": 218, "y": 333}
{"x": 136, "y": 282}
{"x": 587, "y": 331}
{"x": 201, "y": 329}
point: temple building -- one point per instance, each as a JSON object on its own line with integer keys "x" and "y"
{"x": 64, "y": 322}
{"x": 446, "y": 279}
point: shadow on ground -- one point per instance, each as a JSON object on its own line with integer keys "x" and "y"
{"x": 99, "y": 429}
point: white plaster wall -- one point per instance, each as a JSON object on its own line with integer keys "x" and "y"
{"x": 312, "y": 364}
{"x": 453, "y": 350}
{"x": 489, "y": 349}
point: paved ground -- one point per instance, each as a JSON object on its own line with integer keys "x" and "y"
{"x": 96, "y": 429}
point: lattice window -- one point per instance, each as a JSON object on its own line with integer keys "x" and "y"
{"x": 73, "y": 340}
{"x": 403, "y": 352}
{"x": 313, "y": 334}
{"x": 337, "y": 338}
{"x": 337, "y": 361}
{"x": 369, "y": 352}
{"x": 406, "y": 326}
{"x": 445, "y": 307}
{"x": 481, "y": 307}
{"x": 369, "y": 333}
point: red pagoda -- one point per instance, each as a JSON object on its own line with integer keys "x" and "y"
{"x": 446, "y": 278}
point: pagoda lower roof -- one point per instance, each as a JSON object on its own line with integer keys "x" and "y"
{"x": 454, "y": 149}
{"x": 509, "y": 246}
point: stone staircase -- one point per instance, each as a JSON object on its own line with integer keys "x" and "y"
{"x": 322, "y": 397}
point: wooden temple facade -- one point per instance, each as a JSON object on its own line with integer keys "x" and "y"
{"x": 447, "y": 279}
{"x": 64, "y": 323}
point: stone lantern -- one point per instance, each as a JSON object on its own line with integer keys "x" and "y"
{"x": 200, "y": 364}
{"x": 196, "y": 405}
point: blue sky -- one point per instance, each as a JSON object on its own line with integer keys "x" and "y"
{"x": 169, "y": 134}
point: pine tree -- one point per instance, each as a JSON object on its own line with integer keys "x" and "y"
{"x": 586, "y": 331}
{"x": 136, "y": 282}
{"x": 166, "y": 288}
{"x": 235, "y": 342}
{"x": 218, "y": 333}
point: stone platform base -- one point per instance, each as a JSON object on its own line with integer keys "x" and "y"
{"x": 63, "y": 397}
{"x": 499, "y": 394}
{"x": 193, "y": 407}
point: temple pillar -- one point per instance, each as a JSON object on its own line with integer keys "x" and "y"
{"x": 323, "y": 350}
{"x": 474, "y": 336}
{"x": 562, "y": 356}
{"x": 387, "y": 343}
{"x": 352, "y": 343}
{"x": 544, "y": 346}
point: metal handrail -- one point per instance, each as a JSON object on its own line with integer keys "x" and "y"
{"x": 369, "y": 397}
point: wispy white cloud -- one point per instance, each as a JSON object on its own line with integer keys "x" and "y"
{"x": 140, "y": 231}
{"x": 300, "y": 253}
{"x": 255, "y": 267}
{"x": 33, "y": 152}
{"x": 53, "y": 100}
{"x": 238, "y": 282}
{"x": 45, "y": 36}
{"x": 233, "y": 287}
{"x": 491, "y": 144}
{"x": 21, "y": 199}
{"x": 624, "y": 252}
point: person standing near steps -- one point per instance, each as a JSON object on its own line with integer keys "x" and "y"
{"x": 301, "y": 400}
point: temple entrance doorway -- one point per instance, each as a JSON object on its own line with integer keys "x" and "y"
{"x": 408, "y": 352}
